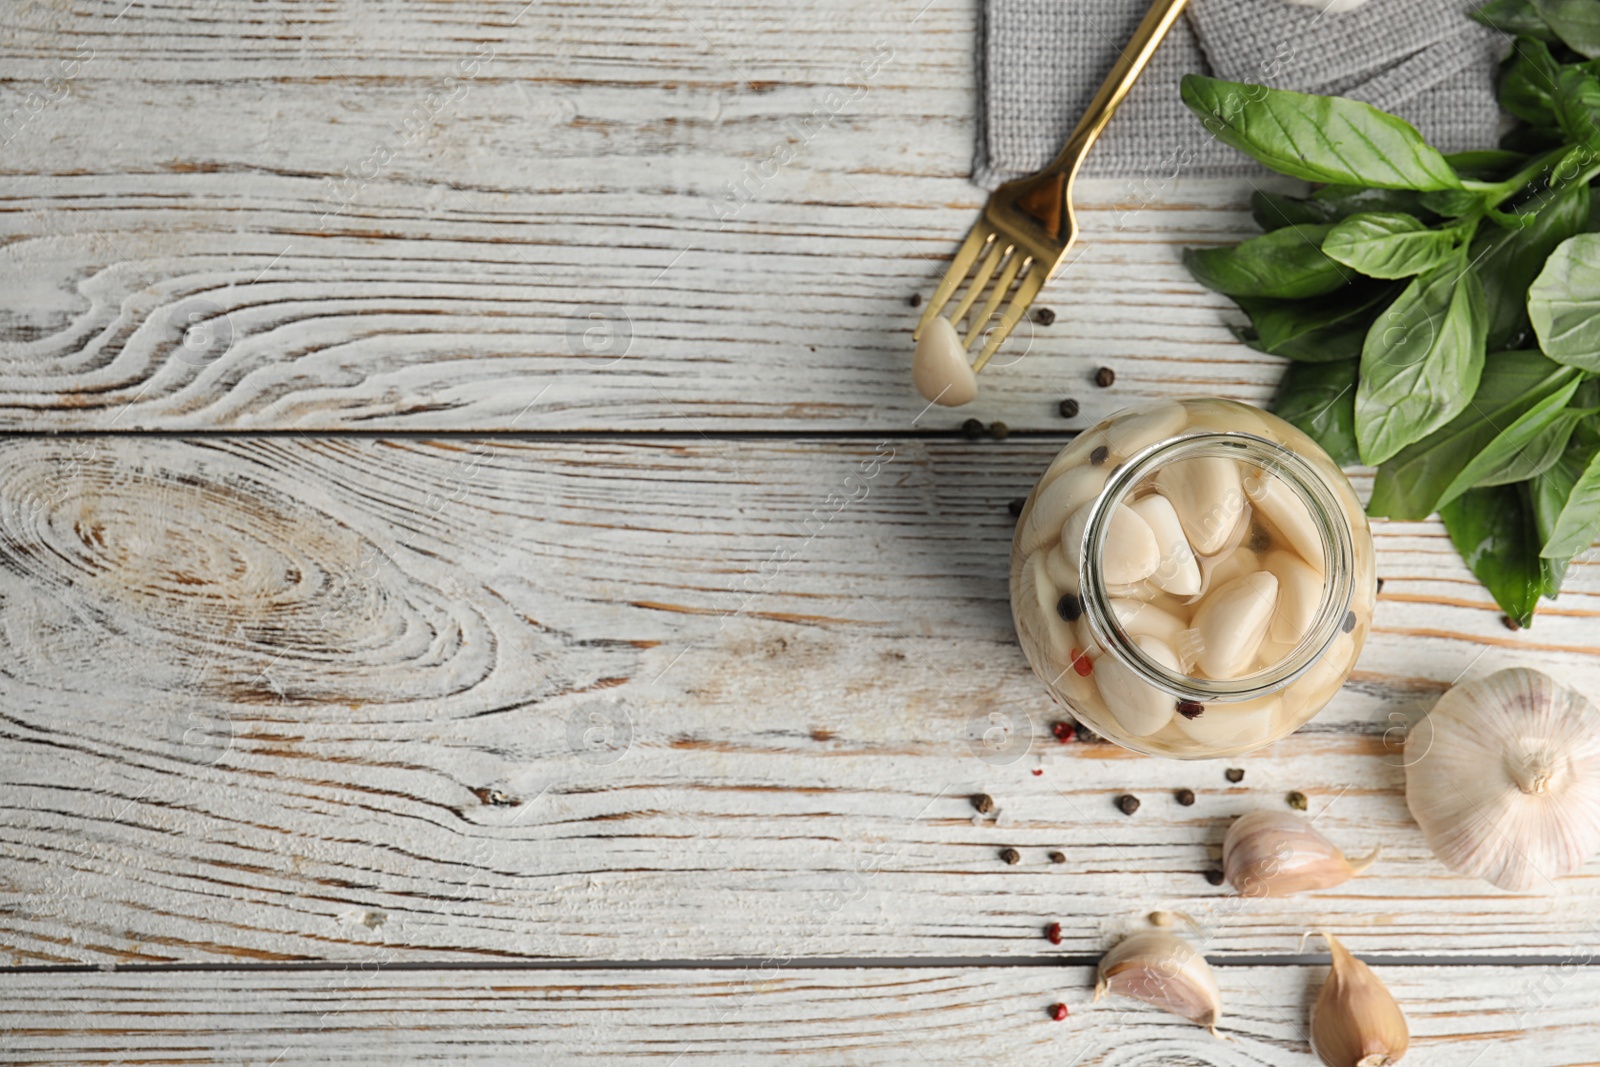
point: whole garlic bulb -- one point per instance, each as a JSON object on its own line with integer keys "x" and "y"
{"x": 1503, "y": 776}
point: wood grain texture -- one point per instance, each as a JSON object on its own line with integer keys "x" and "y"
{"x": 287, "y": 698}
{"x": 765, "y": 1013}
{"x": 349, "y": 228}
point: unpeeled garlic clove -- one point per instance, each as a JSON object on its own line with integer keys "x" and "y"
{"x": 1208, "y": 497}
{"x": 1356, "y": 1022}
{"x": 1179, "y": 571}
{"x": 1164, "y": 971}
{"x": 1278, "y": 854}
{"x": 939, "y": 369}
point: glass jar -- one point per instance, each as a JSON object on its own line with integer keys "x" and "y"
{"x": 1193, "y": 578}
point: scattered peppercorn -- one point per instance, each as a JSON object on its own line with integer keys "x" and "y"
{"x": 983, "y": 802}
{"x": 1297, "y": 800}
{"x": 1016, "y": 506}
{"x": 1349, "y": 622}
{"x": 1185, "y": 797}
{"x": 1053, "y": 932}
{"x": 1098, "y": 456}
{"x": 1044, "y": 317}
{"x": 1058, "y": 1012}
{"x": 916, "y": 300}
{"x": 972, "y": 429}
{"x": 1214, "y": 876}
{"x": 1037, "y": 772}
{"x": 1127, "y": 803}
{"x": 1105, "y": 377}
{"x": 1234, "y": 774}
{"x": 1068, "y": 408}
{"x": 1058, "y": 857}
{"x": 1064, "y": 732}
{"x": 1011, "y": 856}
{"x": 1380, "y": 585}
{"x": 1000, "y": 430}
{"x": 1190, "y": 709}
{"x": 1069, "y": 607}
{"x": 1087, "y": 736}
{"x": 1509, "y": 623}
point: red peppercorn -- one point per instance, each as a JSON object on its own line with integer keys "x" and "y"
{"x": 1053, "y": 932}
{"x": 1058, "y": 1012}
{"x": 1081, "y": 663}
{"x": 1065, "y": 732}
{"x": 1037, "y": 771}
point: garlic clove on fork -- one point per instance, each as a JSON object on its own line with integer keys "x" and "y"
{"x": 939, "y": 369}
{"x": 1164, "y": 971}
{"x": 1503, "y": 776}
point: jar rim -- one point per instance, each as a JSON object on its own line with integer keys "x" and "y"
{"x": 1300, "y": 478}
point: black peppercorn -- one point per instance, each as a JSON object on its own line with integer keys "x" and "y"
{"x": 1214, "y": 876}
{"x": 1044, "y": 317}
{"x": 1016, "y": 506}
{"x": 1234, "y": 774}
{"x": 1349, "y": 622}
{"x": 999, "y": 430}
{"x": 1068, "y": 408}
{"x": 983, "y": 802}
{"x": 1098, "y": 456}
{"x": 1380, "y": 585}
{"x": 1189, "y": 709}
{"x": 1185, "y": 797}
{"x": 1058, "y": 857}
{"x": 1127, "y": 803}
{"x": 1105, "y": 377}
{"x": 1011, "y": 856}
{"x": 972, "y": 429}
{"x": 1297, "y": 800}
{"x": 1509, "y": 623}
{"x": 916, "y": 300}
{"x": 1069, "y": 607}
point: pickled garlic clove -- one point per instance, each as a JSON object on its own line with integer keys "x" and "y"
{"x": 1050, "y": 629}
{"x": 1230, "y": 623}
{"x": 1241, "y": 724}
{"x": 939, "y": 369}
{"x": 1141, "y": 619}
{"x": 1179, "y": 571}
{"x": 1207, "y": 494}
{"x": 1130, "y": 553}
{"x": 1126, "y": 434}
{"x": 1055, "y": 503}
{"x": 1140, "y": 709}
{"x": 1287, "y": 514}
{"x": 1300, "y": 589}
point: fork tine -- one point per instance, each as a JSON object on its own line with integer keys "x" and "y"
{"x": 1015, "y": 262}
{"x": 980, "y": 278}
{"x": 977, "y": 237}
{"x": 1033, "y": 279}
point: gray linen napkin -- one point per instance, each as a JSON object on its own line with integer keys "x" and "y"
{"x": 1041, "y": 61}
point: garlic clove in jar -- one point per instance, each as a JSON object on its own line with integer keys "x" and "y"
{"x": 1130, "y": 553}
{"x": 1055, "y": 502}
{"x": 1217, "y": 571}
{"x": 1278, "y": 854}
{"x": 1208, "y": 496}
{"x": 1238, "y": 725}
{"x": 1179, "y": 571}
{"x": 1299, "y": 596}
{"x": 1230, "y": 623}
{"x": 1045, "y": 619}
{"x": 1287, "y": 514}
{"x": 939, "y": 369}
{"x": 1125, "y": 435}
{"x": 1355, "y": 1021}
{"x": 1139, "y": 708}
{"x": 1503, "y": 776}
{"x": 1164, "y": 971}
{"x": 1141, "y": 619}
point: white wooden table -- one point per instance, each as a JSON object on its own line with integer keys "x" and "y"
{"x": 435, "y": 625}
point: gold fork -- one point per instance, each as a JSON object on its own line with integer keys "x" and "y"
{"x": 1028, "y": 225}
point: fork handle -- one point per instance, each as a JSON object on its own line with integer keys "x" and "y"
{"x": 1130, "y": 64}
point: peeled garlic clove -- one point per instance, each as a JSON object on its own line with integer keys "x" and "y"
{"x": 1140, "y": 619}
{"x": 1052, "y": 503}
{"x": 1356, "y": 1022}
{"x": 1217, "y": 571}
{"x": 939, "y": 369}
{"x": 1240, "y": 725}
{"x": 1230, "y": 623}
{"x": 1130, "y": 552}
{"x": 1164, "y": 971}
{"x": 1127, "y": 434}
{"x": 1287, "y": 514}
{"x": 1278, "y": 854}
{"x": 1299, "y": 596}
{"x": 1503, "y": 776}
{"x": 1141, "y": 709}
{"x": 1056, "y": 633}
{"x": 1061, "y": 572}
{"x": 1209, "y": 499}
{"x": 1179, "y": 571}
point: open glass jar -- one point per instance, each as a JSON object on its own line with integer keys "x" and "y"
{"x": 1193, "y": 578}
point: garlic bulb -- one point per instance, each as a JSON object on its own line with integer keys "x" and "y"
{"x": 1164, "y": 971}
{"x": 1503, "y": 776}
{"x": 1356, "y": 1022}
{"x": 1277, "y": 853}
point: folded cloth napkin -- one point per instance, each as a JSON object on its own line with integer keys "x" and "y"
{"x": 1042, "y": 60}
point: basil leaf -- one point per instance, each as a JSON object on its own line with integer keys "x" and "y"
{"x": 1286, "y": 264}
{"x": 1342, "y": 201}
{"x": 1385, "y": 245}
{"x": 1527, "y": 82}
{"x": 1576, "y": 22}
{"x": 1523, "y": 449}
{"x": 1421, "y": 360}
{"x": 1273, "y": 211}
{"x": 1452, "y": 203}
{"x": 1314, "y": 331}
{"x": 1577, "y": 103}
{"x": 1493, "y": 530}
{"x": 1514, "y": 17}
{"x": 1578, "y": 522}
{"x": 1411, "y": 485}
{"x": 1564, "y": 303}
{"x": 1549, "y": 493}
{"x": 1485, "y": 164}
{"x": 1509, "y": 260}
{"x": 1318, "y": 138}
{"x": 1320, "y": 399}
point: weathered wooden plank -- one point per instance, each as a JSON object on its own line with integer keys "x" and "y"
{"x": 615, "y": 700}
{"x": 336, "y": 235}
{"x": 768, "y": 1012}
